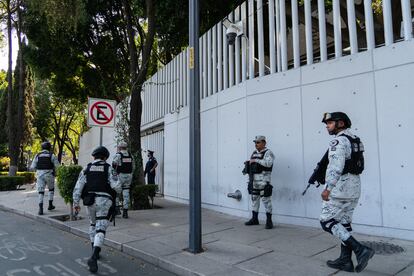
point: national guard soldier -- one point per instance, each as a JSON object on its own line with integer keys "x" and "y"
{"x": 150, "y": 167}
{"x": 45, "y": 163}
{"x": 123, "y": 165}
{"x": 261, "y": 164}
{"x": 342, "y": 191}
{"x": 97, "y": 187}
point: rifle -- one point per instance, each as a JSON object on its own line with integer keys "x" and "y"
{"x": 247, "y": 170}
{"x": 319, "y": 173}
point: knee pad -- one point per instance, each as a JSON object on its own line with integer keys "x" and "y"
{"x": 41, "y": 193}
{"x": 347, "y": 226}
{"x": 52, "y": 190}
{"x": 327, "y": 225}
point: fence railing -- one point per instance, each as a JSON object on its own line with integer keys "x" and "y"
{"x": 277, "y": 35}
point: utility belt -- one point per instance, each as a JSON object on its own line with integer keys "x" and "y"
{"x": 89, "y": 198}
{"x": 265, "y": 192}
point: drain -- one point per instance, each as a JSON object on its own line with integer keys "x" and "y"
{"x": 383, "y": 248}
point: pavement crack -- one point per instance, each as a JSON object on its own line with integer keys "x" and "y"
{"x": 317, "y": 253}
{"x": 404, "y": 268}
{"x": 249, "y": 259}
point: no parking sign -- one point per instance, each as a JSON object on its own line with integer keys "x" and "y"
{"x": 101, "y": 112}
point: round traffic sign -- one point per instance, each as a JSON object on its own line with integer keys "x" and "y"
{"x": 98, "y": 114}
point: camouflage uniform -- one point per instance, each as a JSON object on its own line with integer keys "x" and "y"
{"x": 345, "y": 190}
{"x": 124, "y": 179}
{"x": 45, "y": 177}
{"x": 261, "y": 179}
{"x": 99, "y": 209}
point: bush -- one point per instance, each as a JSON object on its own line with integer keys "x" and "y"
{"x": 66, "y": 181}
{"x": 4, "y": 163}
{"x": 140, "y": 195}
{"x": 8, "y": 183}
{"x": 29, "y": 177}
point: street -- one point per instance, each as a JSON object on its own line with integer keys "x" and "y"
{"x": 28, "y": 247}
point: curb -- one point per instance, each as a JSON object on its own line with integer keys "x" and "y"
{"x": 133, "y": 252}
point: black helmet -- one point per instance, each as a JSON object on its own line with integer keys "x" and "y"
{"x": 46, "y": 145}
{"x": 100, "y": 152}
{"x": 337, "y": 116}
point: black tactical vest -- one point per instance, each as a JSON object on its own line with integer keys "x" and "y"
{"x": 126, "y": 164}
{"x": 256, "y": 167}
{"x": 97, "y": 178}
{"x": 44, "y": 161}
{"x": 355, "y": 165}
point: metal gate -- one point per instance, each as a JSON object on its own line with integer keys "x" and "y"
{"x": 155, "y": 141}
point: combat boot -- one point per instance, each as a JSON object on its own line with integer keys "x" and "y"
{"x": 269, "y": 223}
{"x": 51, "y": 207}
{"x": 125, "y": 213}
{"x": 98, "y": 251}
{"x": 118, "y": 211}
{"x": 40, "y": 209}
{"x": 344, "y": 262}
{"x": 93, "y": 260}
{"x": 254, "y": 220}
{"x": 362, "y": 252}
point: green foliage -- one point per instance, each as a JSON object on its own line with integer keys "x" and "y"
{"x": 141, "y": 194}
{"x": 8, "y": 183}
{"x": 66, "y": 181}
{"x": 29, "y": 177}
{"x": 4, "y": 163}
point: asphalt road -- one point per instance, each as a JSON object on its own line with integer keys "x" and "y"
{"x": 28, "y": 247}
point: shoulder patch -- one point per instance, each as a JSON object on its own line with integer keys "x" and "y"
{"x": 333, "y": 143}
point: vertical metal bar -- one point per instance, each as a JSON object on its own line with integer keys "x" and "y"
{"x": 195, "y": 151}
{"x": 308, "y": 31}
{"x": 205, "y": 80}
{"x": 408, "y": 25}
{"x": 225, "y": 61}
{"x": 272, "y": 49}
{"x": 220, "y": 57}
{"x": 322, "y": 30}
{"x": 278, "y": 56}
{"x": 237, "y": 48}
{"x": 260, "y": 37}
{"x": 209, "y": 65}
{"x": 180, "y": 71}
{"x": 295, "y": 34}
{"x": 200, "y": 68}
{"x": 214, "y": 56}
{"x": 369, "y": 25}
{"x": 283, "y": 34}
{"x": 244, "y": 42}
{"x": 187, "y": 75}
{"x": 387, "y": 13}
{"x": 352, "y": 26}
{"x": 231, "y": 57}
{"x": 100, "y": 136}
{"x": 337, "y": 20}
{"x": 251, "y": 39}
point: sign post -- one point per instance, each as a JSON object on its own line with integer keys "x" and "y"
{"x": 101, "y": 113}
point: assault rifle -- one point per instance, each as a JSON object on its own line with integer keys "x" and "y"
{"x": 247, "y": 170}
{"x": 319, "y": 173}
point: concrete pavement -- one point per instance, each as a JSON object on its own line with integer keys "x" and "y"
{"x": 160, "y": 236}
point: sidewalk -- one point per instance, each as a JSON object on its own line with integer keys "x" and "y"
{"x": 160, "y": 235}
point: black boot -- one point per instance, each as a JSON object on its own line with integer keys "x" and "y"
{"x": 269, "y": 223}
{"x": 362, "y": 252}
{"x": 118, "y": 211}
{"x": 40, "y": 209}
{"x": 254, "y": 220}
{"x": 125, "y": 213}
{"x": 51, "y": 207}
{"x": 98, "y": 256}
{"x": 93, "y": 260}
{"x": 344, "y": 262}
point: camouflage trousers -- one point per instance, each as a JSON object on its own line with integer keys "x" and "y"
{"x": 98, "y": 219}
{"x": 337, "y": 215}
{"x": 267, "y": 200}
{"x": 41, "y": 183}
{"x": 125, "y": 180}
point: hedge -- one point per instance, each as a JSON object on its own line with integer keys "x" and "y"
{"x": 66, "y": 181}
{"x": 140, "y": 193}
{"x": 29, "y": 177}
{"x": 8, "y": 183}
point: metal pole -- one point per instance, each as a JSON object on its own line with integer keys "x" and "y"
{"x": 100, "y": 136}
{"x": 195, "y": 168}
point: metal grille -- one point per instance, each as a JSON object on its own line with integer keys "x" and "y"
{"x": 383, "y": 248}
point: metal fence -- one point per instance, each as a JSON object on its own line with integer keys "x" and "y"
{"x": 277, "y": 36}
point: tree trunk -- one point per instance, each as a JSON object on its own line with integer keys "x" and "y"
{"x": 22, "y": 88}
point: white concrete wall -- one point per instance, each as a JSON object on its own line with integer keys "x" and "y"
{"x": 90, "y": 140}
{"x": 374, "y": 88}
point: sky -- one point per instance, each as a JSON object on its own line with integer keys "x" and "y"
{"x": 4, "y": 52}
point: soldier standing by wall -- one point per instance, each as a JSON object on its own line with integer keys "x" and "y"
{"x": 342, "y": 191}
{"x": 261, "y": 165}
{"x": 150, "y": 167}
{"x": 45, "y": 163}
{"x": 97, "y": 187}
{"x": 123, "y": 165}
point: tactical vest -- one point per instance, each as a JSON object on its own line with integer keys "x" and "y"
{"x": 256, "y": 167}
{"x": 355, "y": 165}
{"x": 97, "y": 178}
{"x": 126, "y": 164}
{"x": 44, "y": 161}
